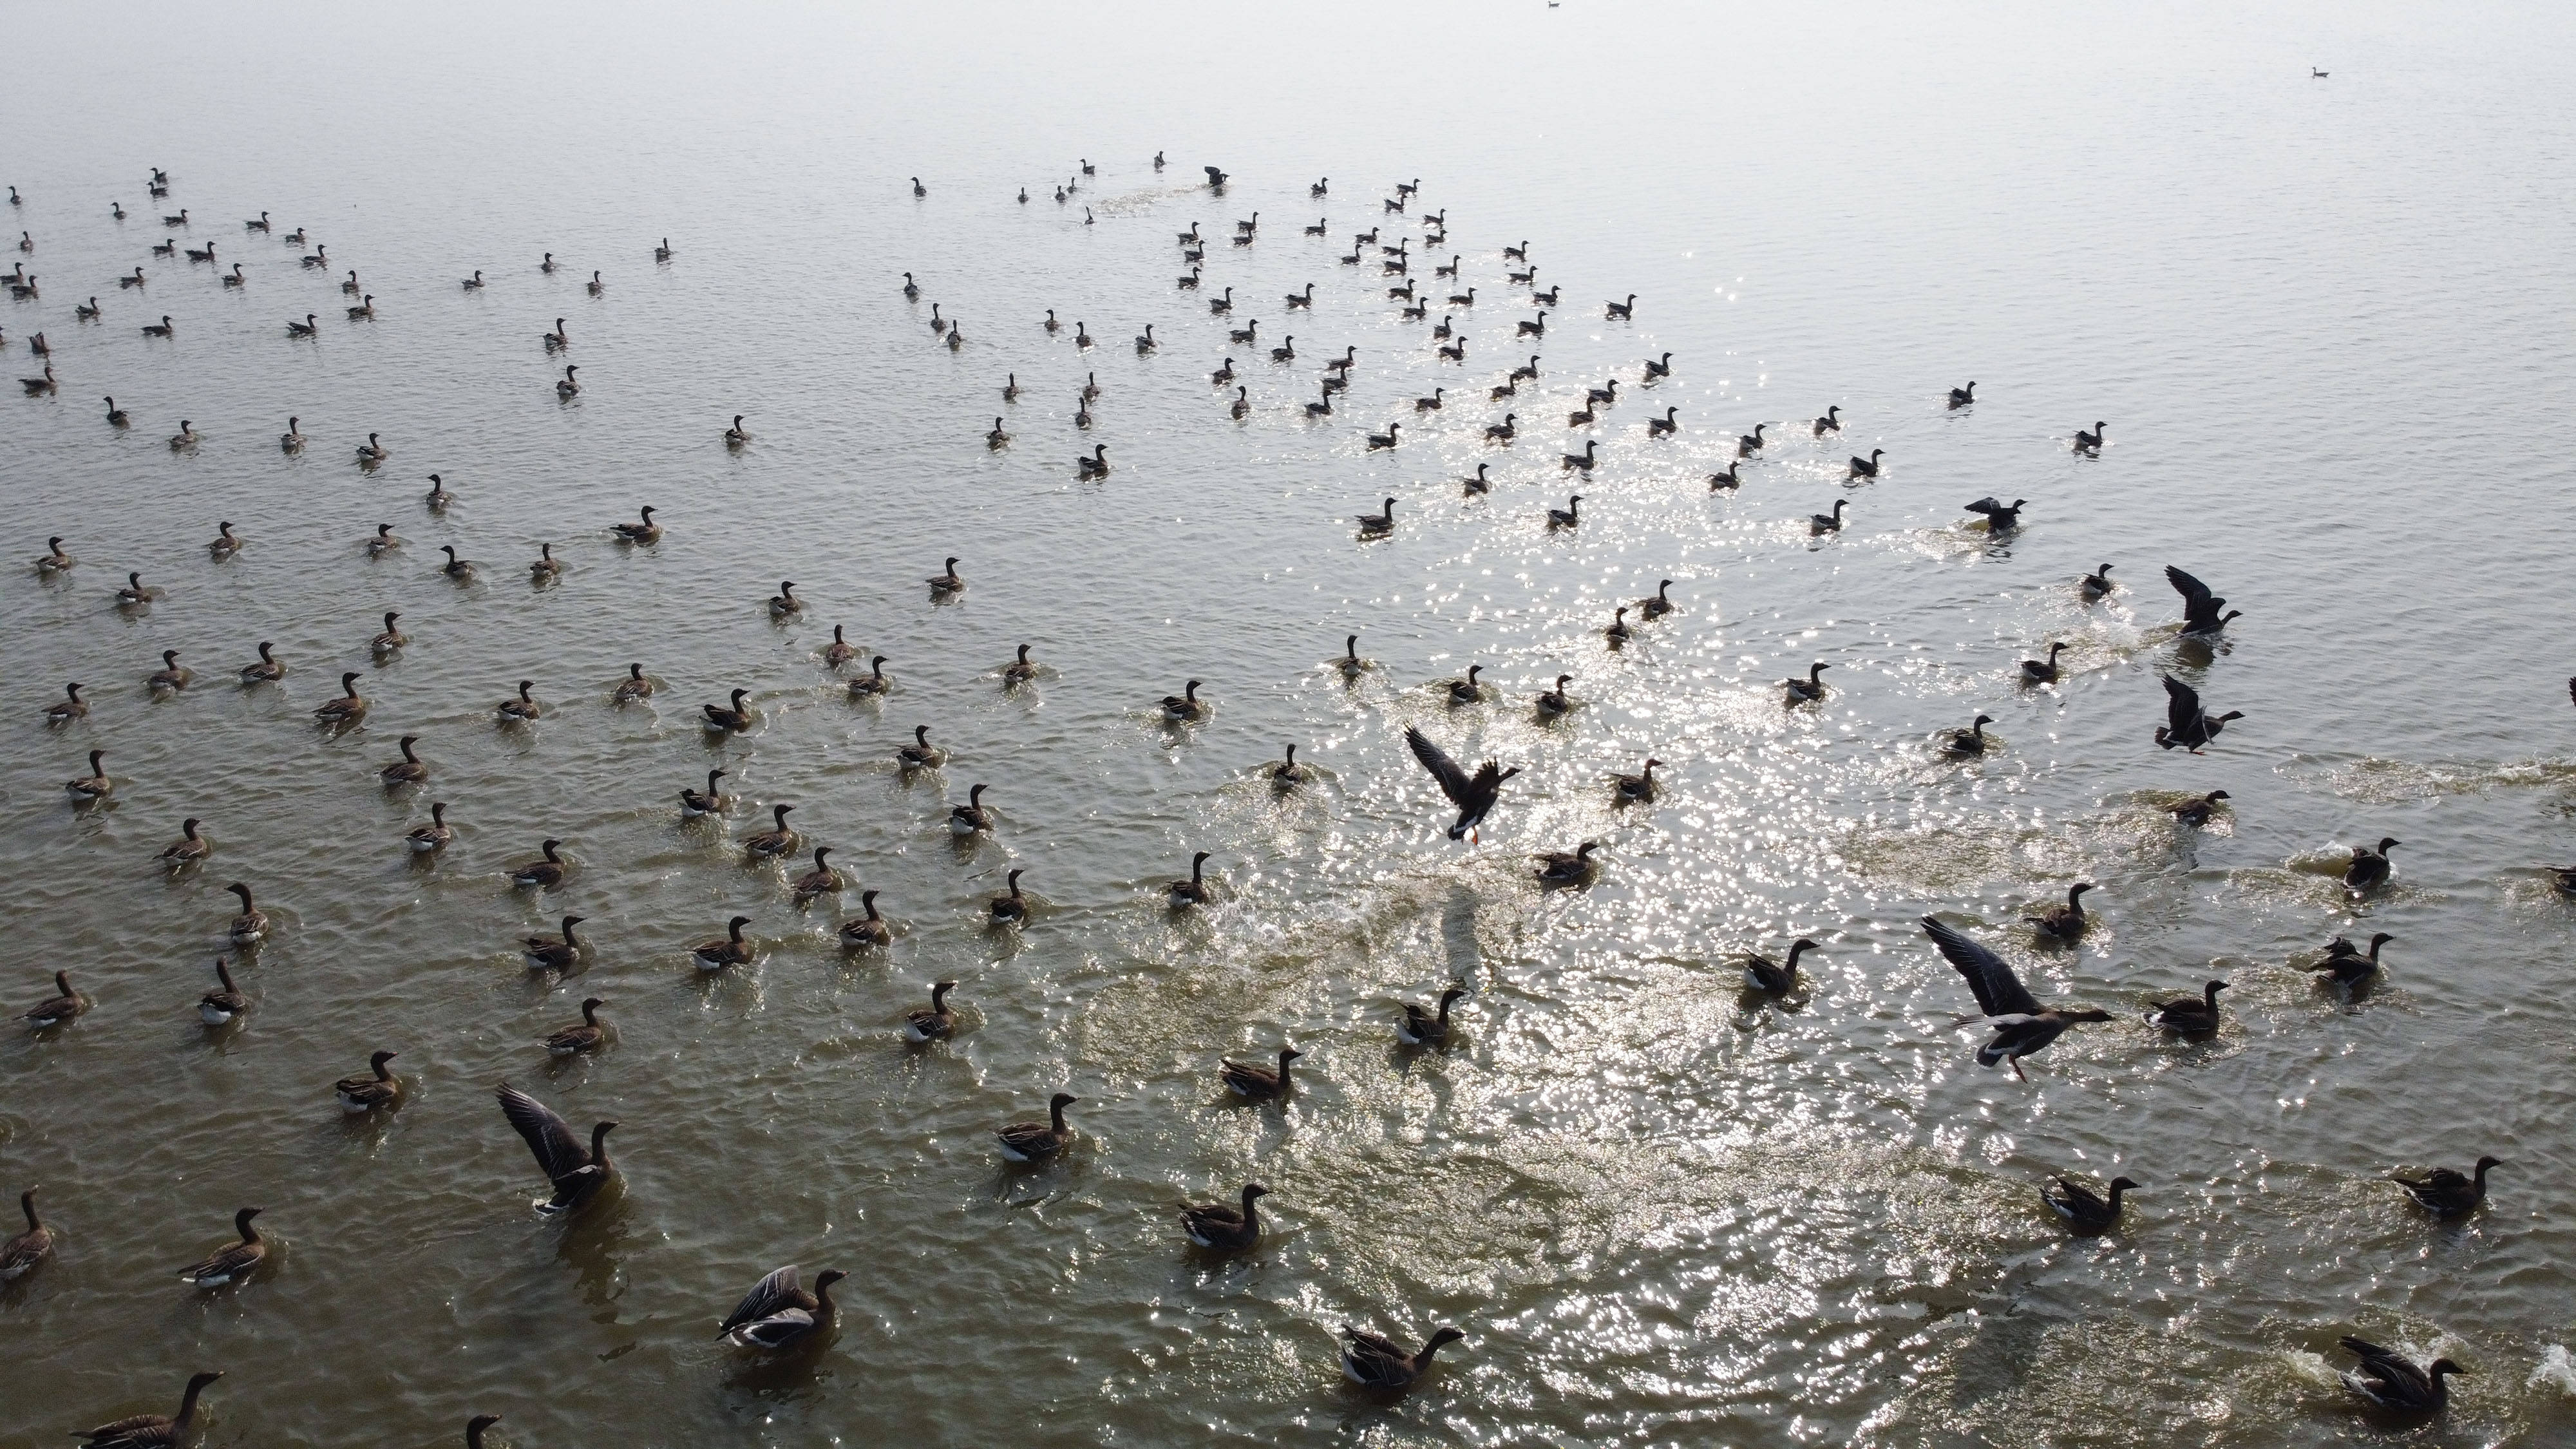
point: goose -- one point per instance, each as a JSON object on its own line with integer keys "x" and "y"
{"x": 2196, "y": 812}
{"x": 971, "y": 817}
{"x": 474, "y": 283}
{"x": 409, "y": 770}
{"x": 710, "y": 801}
{"x": 921, "y": 754}
{"x": 777, "y": 840}
{"x": 1031, "y": 1141}
{"x": 521, "y": 707}
{"x": 872, "y": 682}
{"x": 2022, "y": 1026}
{"x": 1184, "y": 706}
{"x": 1453, "y": 352}
{"x": 234, "y": 278}
{"x": 576, "y": 1174}
{"x": 202, "y": 254}
{"x": 2083, "y": 1209}
{"x": 545, "y": 873}
{"x": 22, "y": 1253}
{"x": 69, "y": 708}
{"x": 784, "y": 604}
{"x": 596, "y": 285}
{"x": 728, "y": 950}
{"x": 89, "y": 311}
{"x": 2000, "y": 517}
{"x": 295, "y": 238}
{"x": 1516, "y": 254}
{"x": 2189, "y": 1015}
{"x": 547, "y": 264}
{"x": 1242, "y": 404}
{"x": 1247, "y": 228}
{"x": 946, "y": 581}
{"x": 1474, "y": 795}
{"x": 1081, "y": 338}
{"x": 1962, "y": 396}
{"x": 2096, "y": 584}
{"x": 379, "y": 1088}
{"x": 1223, "y": 1226}
{"x": 1581, "y": 417}
{"x": 232, "y": 1263}
{"x": 662, "y": 253}
{"x": 184, "y": 439}
{"x": 39, "y": 386}
{"x": 1379, "y": 523}
{"x": 559, "y": 339}
{"x": 96, "y": 785}
{"x": 1566, "y": 867}
{"x": 135, "y": 591}
{"x": 225, "y": 543}
{"x": 1636, "y": 789}
{"x": 1012, "y": 906}
{"x": 1188, "y": 238}
{"x": 365, "y": 311}
{"x": 956, "y": 337}
{"x": 1583, "y": 460}
{"x": 1618, "y": 632}
{"x": 2564, "y": 874}
{"x": 61, "y": 1007}
{"x": 190, "y": 848}
{"x": 1258, "y": 1082}
{"x": 735, "y": 436}
{"x": 2089, "y": 442}
{"x": 1466, "y": 298}
{"x": 1621, "y": 311}
{"x": 374, "y": 451}
{"x": 348, "y": 708}
{"x": 566, "y": 386}
{"x": 2315, "y": 74}
{"x": 1666, "y": 425}
{"x": 436, "y": 834}
{"x": 2448, "y": 1194}
{"x": 1287, "y": 773}
{"x": 1969, "y": 741}
{"x": 170, "y": 676}
{"x": 1351, "y": 664}
{"x": 174, "y": 221}
{"x": 1467, "y": 690}
{"x": 153, "y": 1431}
{"x": 1478, "y": 484}
{"x": 1400, "y": 294}
{"x": 632, "y": 688}
{"x": 722, "y": 718}
{"x": 2369, "y": 868}
{"x": 26, "y": 292}
{"x": 1189, "y": 283}
{"x": 1533, "y": 327}
{"x": 552, "y": 953}
{"x": 1868, "y": 467}
{"x": 1553, "y": 701}
{"x": 1748, "y": 444}
{"x": 861, "y": 932}
{"x": 1819, "y": 523}
{"x": 1569, "y": 516}
{"x": 1546, "y": 298}
{"x": 1286, "y": 351}
{"x": 292, "y": 440}
{"x": 461, "y": 570}
{"x": 1194, "y": 891}
{"x": 1776, "y": 978}
{"x": 643, "y": 530}
{"x": 822, "y": 880}
{"x": 2200, "y": 608}
{"x": 1380, "y": 441}
{"x": 2392, "y": 1381}
{"x": 778, "y": 1315}
{"x": 1082, "y": 412}
{"x": 2043, "y": 671}
{"x": 1373, "y": 1362}
{"x": 1832, "y": 422}
{"x": 163, "y": 328}
{"x": 2187, "y": 725}
{"x": 1429, "y": 404}
{"x": 1729, "y": 480}
{"x": 1503, "y": 431}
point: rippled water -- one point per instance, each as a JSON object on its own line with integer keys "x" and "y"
{"x": 2320, "y": 317}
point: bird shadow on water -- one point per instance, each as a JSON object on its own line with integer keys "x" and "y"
{"x": 593, "y": 1245}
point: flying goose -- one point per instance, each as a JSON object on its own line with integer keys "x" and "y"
{"x": 2021, "y": 1025}
{"x": 935, "y": 1022}
{"x": 777, "y": 1314}
{"x": 2085, "y": 1210}
{"x": 1258, "y": 1082}
{"x": 2066, "y": 922}
{"x": 61, "y": 1007}
{"x": 2448, "y": 1194}
{"x": 1777, "y": 978}
{"x": 1373, "y": 1362}
{"x": 554, "y": 953}
{"x": 153, "y": 1431}
{"x": 379, "y": 1088}
{"x": 1474, "y": 796}
{"x": 2187, "y": 725}
{"x": 1424, "y": 1027}
{"x": 1223, "y": 1226}
{"x": 728, "y": 950}
{"x": 576, "y": 1174}
{"x": 1031, "y": 1141}
{"x": 2392, "y": 1381}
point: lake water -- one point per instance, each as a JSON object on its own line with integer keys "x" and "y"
{"x": 2324, "y": 320}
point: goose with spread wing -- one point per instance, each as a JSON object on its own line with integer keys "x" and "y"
{"x": 778, "y": 1313}
{"x": 2022, "y": 1026}
{"x": 2187, "y": 725}
{"x": 576, "y": 1173}
{"x": 2200, "y": 608}
{"x": 1474, "y": 795}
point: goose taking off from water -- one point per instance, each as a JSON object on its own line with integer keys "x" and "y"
{"x": 1474, "y": 795}
{"x": 2187, "y": 725}
{"x": 2022, "y": 1026}
{"x": 577, "y": 1174}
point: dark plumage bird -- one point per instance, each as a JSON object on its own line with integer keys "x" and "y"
{"x": 1033, "y": 1141}
{"x": 1373, "y": 1362}
{"x": 1224, "y": 1226}
{"x": 379, "y": 1088}
{"x": 2043, "y": 671}
{"x": 1969, "y": 741}
{"x": 2097, "y": 583}
{"x": 934, "y": 1022}
{"x": 61, "y": 1007}
{"x": 153, "y": 1431}
{"x": 2369, "y": 868}
{"x": 2187, "y": 725}
{"x": 554, "y": 953}
{"x": 778, "y": 1313}
{"x": 2200, "y": 608}
{"x": 1424, "y": 1027}
{"x": 576, "y": 1173}
{"x": 1776, "y": 978}
{"x": 2085, "y": 1210}
{"x": 2022, "y": 1026}
{"x": 1258, "y": 1082}
{"x": 225, "y": 1004}
{"x": 20, "y": 1255}
{"x": 1809, "y": 689}
{"x": 233, "y": 1262}
{"x": 1473, "y": 795}
{"x": 2348, "y": 965}
{"x": 2189, "y": 1015}
{"x": 2000, "y": 517}
{"x": 584, "y": 1037}
{"x": 1566, "y": 867}
{"x": 2448, "y": 1194}
{"x": 2395, "y": 1382}
{"x": 2197, "y": 812}
{"x": 2066, "y": 922}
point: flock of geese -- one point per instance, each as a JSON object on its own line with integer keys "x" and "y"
{"x": 779, "y": 1315}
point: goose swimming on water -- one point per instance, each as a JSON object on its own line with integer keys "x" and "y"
{"x": 410, "y": 769}
{"x": 725, "y": 951}
{"x": 822, "y": 880}
{"x": 1012, "y": 905}
{"x": 710, "y": 801}
{"x": 1552, "y": 701}
{"x": 1287, "y": 773}
{"x": 233, "y": 1262}
{"x": 70, "y": 707}
{"x": 521, "y": 707}
{"x": 1730, "y": 480}
{"x": 2043, "y": 671}
{"x": 874, "y": 682}
{"x": 2196, "y": 812}
{"x": 2064, "y": 922}
{"x": 2097, "y": 584}
{"x": 348, "y": 708}
{"x": 576, "y": 1174}
{"x": 544, "y": 873}
{"x": 2189, "y": 1015}
{"x": 96, "y": 785}
{"x": 251, "y": 924}
{"x": 2000, "y": 517}
{"x": 1969, "y": 741}
{"x": 777, "y": 839}
{"x": 2089, "y": 442}
{"x": 921, "y": 754}
{"x": 777, "y": 1315}
{"x": 938, "y": 1021}
{"x": 1374, "y": 1362}
{"x": 632, "y": 688}
{"x": 1566, "y": 867}
{"x": 22, "y": 1253}
{"x": 1259, "y": 1083}
{"x": 970, "y": 818}
{"x": 2022, "y": 1026}
{"x": 1867, "y": 467}
{"x": 725, "y": 718}
{"x": 1962, "y": 396}
{"x": 2446, "y": 1193}
{"x": 1776, "y": 978}
{"x": 643, "y": 530}
{"x": 1383, "y": 522}
{"x": 2082, "y": 1208}
{"x": 1194, "y": 891}
{"x": 1224, "y": 1226}
{"x": 61, "y": 1007}
{"x": 2393, "y": 1381}
{"x": 379, "y": 1088}
{"x": 1570, "y": 516}
{"x": 553, "y": 953}
{"x": 436, "y": 834}
{"x": 189, "y": 849}
{"x": 1033, "y": 1141}
{"x": 1184, "y": 707}
{"x": 153, "y": 1431}
{"x": 2369, "y": 868}
{"x": 1822, "y": 523}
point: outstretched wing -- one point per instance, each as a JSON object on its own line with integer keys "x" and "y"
{"x": 779, "y": 1290}
{"x": 559, "y": 1153}
{"x": 1998, "y": 990}
{"x": 2182, "y": 706}
{"x": 1453, "y": 780}
{"x": 2197, "y": 602}
{"x": 1987, "y": 506}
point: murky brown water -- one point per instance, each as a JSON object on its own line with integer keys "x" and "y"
{"x": 2318, "y": 316}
